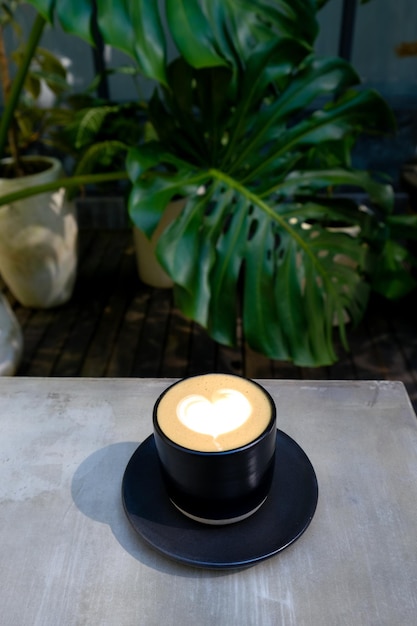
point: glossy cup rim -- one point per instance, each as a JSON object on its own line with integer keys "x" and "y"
{"x": 208, "y": 453}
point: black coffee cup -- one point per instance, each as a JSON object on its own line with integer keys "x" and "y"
{"x": 218, "y": 487}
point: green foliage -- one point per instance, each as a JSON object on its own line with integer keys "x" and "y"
{"x": 12, "y": 89}
{"x": 96, "y": 133}
{"x": 78, "y": 124}
{"x": 25, "y": 122}
{"x": 256, "y": 132}
{"x": 255, "y": 238}
{"x": 35, "y": 123}
{"x": 207, "y": 33}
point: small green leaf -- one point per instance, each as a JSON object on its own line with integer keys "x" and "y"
{"x": 392, "y": 278}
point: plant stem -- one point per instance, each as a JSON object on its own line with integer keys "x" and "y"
{"x": 6, "y": 84}
{"x": 4, "y": 67}
{"x": 66, "y": 183}
{"x": 18, "y": 82}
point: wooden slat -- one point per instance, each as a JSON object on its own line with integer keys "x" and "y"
{"x": 122, "y": 290}
{"x": 257, "y": 365}
{"x": 149, "y": 354}
{"x": 344, "y": 368}
{"x": 124, "y": 351}
{"x": 91, "y": 294}
{"x": 177, "y": 346}
{"x": 41, "y": 362}
{"x": 202, "y": 352}
{"x": 34, "y": 361}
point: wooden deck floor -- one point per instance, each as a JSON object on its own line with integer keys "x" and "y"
{"x": 116, "y": 326}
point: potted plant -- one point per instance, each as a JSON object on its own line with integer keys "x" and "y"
{"x": 256, "y": 133}
{"x": 38, "y": 237}
{"x": 38, "y": 222}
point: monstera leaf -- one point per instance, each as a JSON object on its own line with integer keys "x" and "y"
{"x": 260, "y": 235}
{"x": 292, "y": 277}
{"x": 207, "y": 33}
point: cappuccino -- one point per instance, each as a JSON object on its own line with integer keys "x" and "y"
{"x": 214, "y": 412}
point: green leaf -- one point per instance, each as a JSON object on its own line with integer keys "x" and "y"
{"x": 272, "y": 63}
{"x": 140, "y": 160}
{"x": 32, "y": 85}
{"x": 314, "y": 78}
{"x": 215, "y": 32}
{"x": 313, "y": 181}
{"x": 131, "y": 26}
{"x": 403, "y": 226}
{"x": 76, "y": 17}
{"x": 45, "y": 8}
{"x": 248, "y": 24}
{"x": 296, "y": 19}
{"x": 171, "y": 117}
{"x": 136, "y": 29}
{"x": 334, "y": 123}
{"x": 89, "y": 123}
{"x": 390, "y": 279}
{"x": 49, "y": 63}
{"x": 100, "y": 156}
{"x": 192, "y": 33}
{"x": 206, "y": 91}
{"x": 207, "y": 33}
{"x": 150, "y": 194}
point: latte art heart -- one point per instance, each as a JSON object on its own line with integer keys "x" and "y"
{"x": 227, "y": 410}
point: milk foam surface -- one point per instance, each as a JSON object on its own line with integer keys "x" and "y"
{"x": 214, "y": 412}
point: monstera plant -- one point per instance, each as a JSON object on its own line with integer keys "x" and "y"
{"x": 256, "y": 133}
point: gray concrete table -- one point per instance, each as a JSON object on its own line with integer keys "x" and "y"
{"x": 69, "y": 557}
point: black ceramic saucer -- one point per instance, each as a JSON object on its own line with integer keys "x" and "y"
{"x": 280, "y": 521}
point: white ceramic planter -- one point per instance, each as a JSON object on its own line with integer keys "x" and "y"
{"x": 149, "y": 269}
{"x": 11, "y": 340}
{"x": 38, "y": 241}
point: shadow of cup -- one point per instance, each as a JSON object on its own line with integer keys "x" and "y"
{"x": 96, "y": 491}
